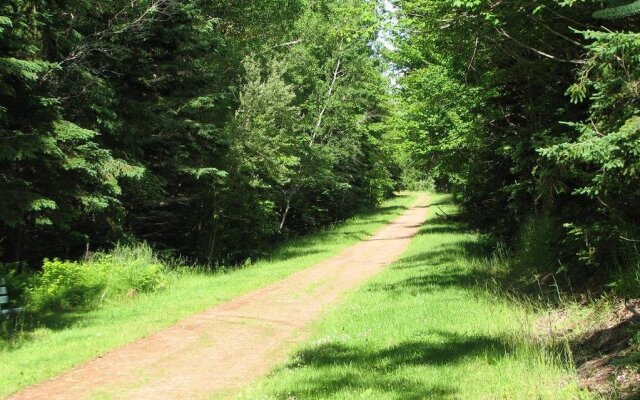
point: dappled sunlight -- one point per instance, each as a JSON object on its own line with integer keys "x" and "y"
{"x": 426, "y": 328}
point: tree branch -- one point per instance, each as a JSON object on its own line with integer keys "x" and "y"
{"x": 542, "y": 53}
{"x": 316, "y": 129}
{"x": 559, "y": 34}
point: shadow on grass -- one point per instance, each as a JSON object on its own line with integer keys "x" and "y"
{"x": 466, "y": 249}
{"x": 19, "y": 329}
{"x": 435, "y": 228}
{"x": 377, "y": 211}
{"x": 428, "y": 274}
{"x": 296, "y": 252}
{"x": 445, "y": 201}
{"x": 374, "y": 368}
{"x": 431, "y": 282}
{"x": 338, "y": 366}
{"x": 446, "y": 265}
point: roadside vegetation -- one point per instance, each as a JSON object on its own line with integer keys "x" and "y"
{"x": 433, "y": 325}
{"x": 128, "y": 294}
{"x": 530, "y": 115}
{"x": 215, "y": 131}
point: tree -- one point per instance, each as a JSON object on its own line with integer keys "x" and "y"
{"x": 125, "y": 121}
{"x": 57, "y": 177}
{"x": 489, "y": 103}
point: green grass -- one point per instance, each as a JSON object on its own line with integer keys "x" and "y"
{"x": 68, "y": 339}
{"x": 427, "y": 327}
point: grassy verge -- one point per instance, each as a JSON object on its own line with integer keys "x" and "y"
{"x": 67, "y": 339}
{"x": 427, "y": 327}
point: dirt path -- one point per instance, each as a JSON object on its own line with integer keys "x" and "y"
{"x": 220, "y": 351}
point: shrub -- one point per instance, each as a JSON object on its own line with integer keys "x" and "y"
{"x": 18, "y": 277}
{"x": 65, "y": 285}
{"x": 69, "y": 285}
{"x": 133, "y": 267}
{"x": 533, "y": 253}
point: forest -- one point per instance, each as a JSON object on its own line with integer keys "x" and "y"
{"x": 207, "y": 128}
{"x": 212, "y": 129}
{"x": 529, "y": 114}
{"x": 207, "y": 133}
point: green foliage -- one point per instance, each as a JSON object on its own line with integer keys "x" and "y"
{"x": 65, "y": 285}
{"x": 626, "y": 274}
{"x": 210, "y": 129}
{"x": 619, "y": 9}
{"x": 426, "y": 328}
{"x": 57, "y": 173}
{"x": 603, "y": 162}
{"x": 538, "y": 248}
{"x": 527, "y": 118}
{"x": 69, "y": 285}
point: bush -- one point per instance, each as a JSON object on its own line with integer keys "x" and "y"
{"x": 134, "y": 268}
{"x": 18, "y": 277}
{"x": 534, "y": 253}
{"x": 69, "y": 285}
{"x": 532, "y": 263}
{"x": 65, "y": 285}
{"x": 416, "y": 180}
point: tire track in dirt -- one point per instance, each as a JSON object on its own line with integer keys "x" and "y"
{"x": 220, "y": 351}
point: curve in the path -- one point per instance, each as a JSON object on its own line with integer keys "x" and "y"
{"x": 225, "y": 348}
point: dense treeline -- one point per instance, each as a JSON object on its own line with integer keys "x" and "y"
{"x": 530, "y": 111}
{"x": 206, "y": 128}
{"x": 210, "y": 129}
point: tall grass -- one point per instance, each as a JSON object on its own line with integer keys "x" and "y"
{"x": 626, "y": 278}
{"x": 535, "y": 263}
{"x": 61, "y": 334}
{"x": 69, "y": 285}
{"x": 432, "y": 326}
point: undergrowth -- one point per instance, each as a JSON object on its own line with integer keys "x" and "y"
{"x": 584, "y": 310}
{"x": 81, "y": 285}
{"x": 69, "y": 285}
{"x": 536, "y": 266}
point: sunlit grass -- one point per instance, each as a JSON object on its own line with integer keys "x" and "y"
{"x": 72, "y": 338}
{"x": 427, "y": 327}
